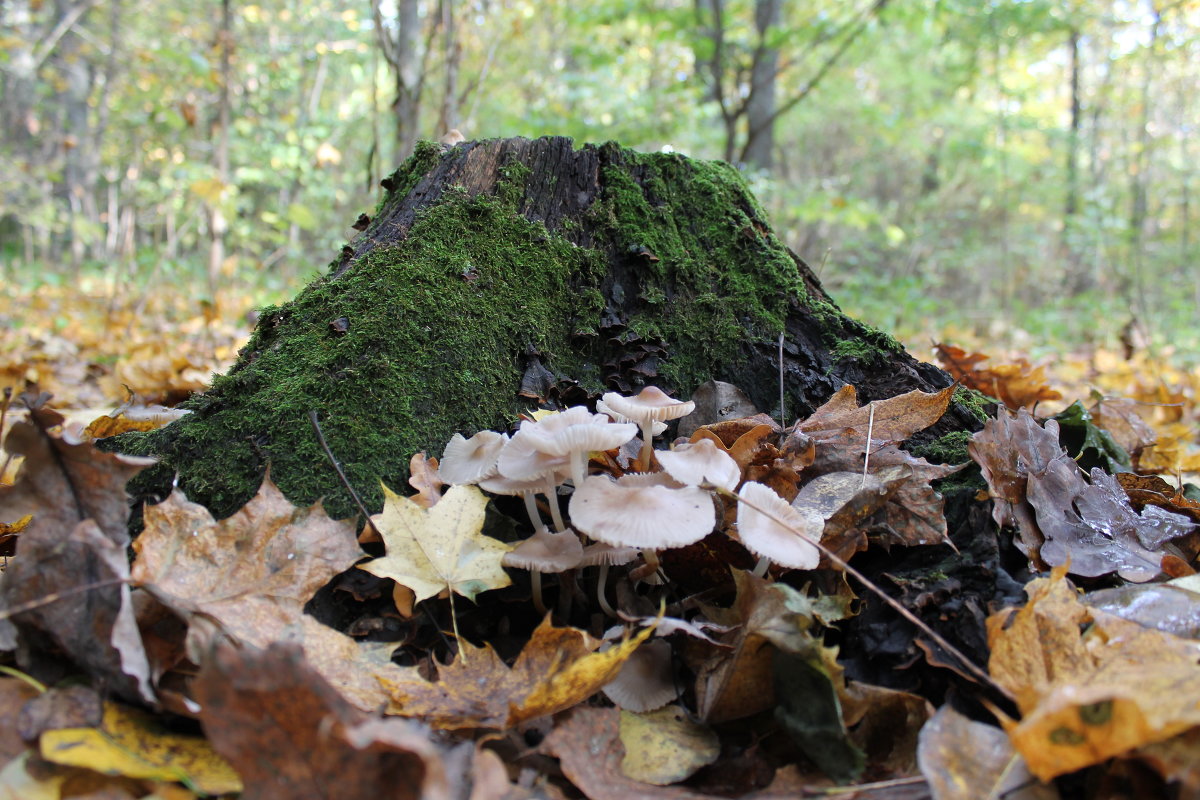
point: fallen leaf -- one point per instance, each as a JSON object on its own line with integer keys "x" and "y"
{"x": 423, "y": 476}
{"x": 94, "y": 628}
{"x": 809, "y": 709}
{"x": 1089, "y": 685}
{"x": 64, "y": 480}
{"x": 250, "y": 573}
{"x": 1119, "y": 416}
{"x": 1144, "y": 490}
{"x": 890, "y": 421}
{"x": 1017, "y": 385}
{"x": 441, "y": 548}
{"x": 17, "y": 784}
{"x": 131, "y": 743}
{"x": 966, "y": 760}
{"x": 14, "y": 694}
{"x": 1008, "y": 449}
{"x": 1087, "y": 443}
{"x": 1093, "y": 528}
{"x": 665, "y": 746}
{"x": 1172, "y": 607}
{"x": 556, "y": 670}
{"x": 289, "y": 734}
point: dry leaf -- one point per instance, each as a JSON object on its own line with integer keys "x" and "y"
{"x": 891, "y": 421}
{"x": 251, "y": 573}
{"x": 94, "y": 628}
{"x": 423, "y": 476}
{"x": 1017, "y": 385}
{"x": 65, "y": 480}
{"x": 289, "y": 734}
{"x": 556, "y": 670}
{"x": 441, "y": 548}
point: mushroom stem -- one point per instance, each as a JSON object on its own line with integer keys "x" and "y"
{"x": 645, "y": 457}
{"x": 760, "y": 568}
{"x": 535, "y": 580}
{"x": 551, "y": 493}
{"x": 647, "y": 570}
{"x": 532, "y": 509}
{"x": 601, "y": 582}
{"x": 578, "y": 467}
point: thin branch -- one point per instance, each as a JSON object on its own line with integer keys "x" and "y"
{"x": 312, "y": 416}
{"x": 970, "y": 666}
{"x": 68, "y": 20}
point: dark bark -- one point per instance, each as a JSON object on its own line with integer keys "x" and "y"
{"x": 502, "y": 273}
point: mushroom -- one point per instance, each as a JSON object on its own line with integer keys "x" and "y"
{"x": 644, "y": 681}
{"x": 498, "y": 484}
{"x": 648, "y": 406}
{"x": 471, "y": 460}
{"x": 655, "y": 430}
{"x": 773, "y": 529}
{"x": 545, "y": 551}
{"x": 571, "y": 434}
{"x": 701, "y": 463}
{"x": 606, "y": 555}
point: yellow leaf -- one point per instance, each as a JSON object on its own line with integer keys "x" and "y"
{"x": 1089, "y": 685}
{"x": 665, "y": 746}
{"x": 556, "y": 670}
{"x": 130, "y": 743}
{"x": 431, "y": 550}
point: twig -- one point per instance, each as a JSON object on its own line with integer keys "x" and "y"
{"x": 54, "y": 597}
{"x": 867, "y": 449}
{"x": 312, "y": 416}
{"x": 782, "y": 413}
{"x": 967, "y": 664}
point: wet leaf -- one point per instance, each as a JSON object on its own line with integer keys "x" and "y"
{"x": 1089, "y": 685}
{"x": 966, "y": 760}
{"x": 131, "y": 743}
{"x": 556, "y": 669}
{"x": 1090, "y": 445}
{"x": 441, "y": 548}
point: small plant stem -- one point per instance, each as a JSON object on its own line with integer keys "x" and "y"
{"x": 967, "y": 664}
{"x": 867, "y": 448}
{"x": 362, "y": 509}
{"x": 760, "y": 569}
{"x": 782, "y": 413}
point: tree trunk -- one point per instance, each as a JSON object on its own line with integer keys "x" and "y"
{"x": 503, "y": 274}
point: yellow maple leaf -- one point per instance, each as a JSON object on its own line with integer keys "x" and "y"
{"x": 556, "y": 670}
{"x": 440, "y": 548}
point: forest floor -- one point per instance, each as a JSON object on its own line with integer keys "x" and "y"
{"x": 209, "y": 678}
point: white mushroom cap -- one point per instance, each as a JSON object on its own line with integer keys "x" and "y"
{"x": 700, "y": 463}
{"x": 765, "y": 537}
{"x": 644, "y": 680}
{"x": 471, "y": 460}
{"x": 646, "y": 517}
{"x": 546, "y": 552}
{"x": 651, "y": 404}
{"x": 576, "y": 430}
{"x": 521, "y": 461}
{"x": 602, "y": 407}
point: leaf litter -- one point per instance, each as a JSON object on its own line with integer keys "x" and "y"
{"x": 225, "y": 625}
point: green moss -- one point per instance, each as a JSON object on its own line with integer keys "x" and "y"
{"x": 437, "y": 324}
{"x": 437, "y": 327}
{"x": 948, "y": 449}
{"x": 978, "y": 404}
{"x": 859, "y": 350}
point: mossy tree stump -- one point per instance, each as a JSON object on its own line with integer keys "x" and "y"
{"x": 501, "y": 273}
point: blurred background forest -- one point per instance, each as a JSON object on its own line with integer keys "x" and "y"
{"x": 1018, "y": 172}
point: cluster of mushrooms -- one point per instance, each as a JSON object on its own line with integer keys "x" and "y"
{"x": 666, "y": 500}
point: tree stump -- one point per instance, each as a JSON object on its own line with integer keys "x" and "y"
{"x": 498, "y": 275}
